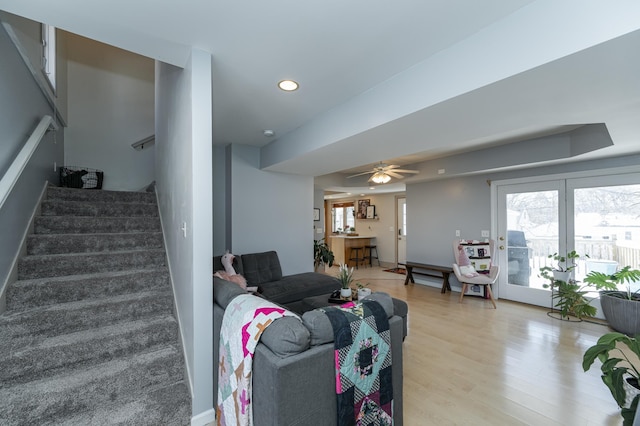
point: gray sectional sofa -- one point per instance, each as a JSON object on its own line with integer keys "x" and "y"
{"x": 263, "y": 270}
{"x": 293, "y": 366}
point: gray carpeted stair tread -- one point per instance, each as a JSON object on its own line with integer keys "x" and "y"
{"x": 91, "y": 224}
{"x": 169, "y": 405}
{"x": 118, "y": 381}
{"x": 82, "y": 208}
{"x": 51, "y": 290}
{"x": 74, "y": 194}
{"x": 87, "y": 243}
{"x": 24, "y": 360}
{"x": 55, "y": 265}
{"x": 70, "y": 317}
{"x": 89, "y": 336}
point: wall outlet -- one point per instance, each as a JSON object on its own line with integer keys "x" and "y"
{"x": 457, "y": 232}
{"x": 484, "y": 234}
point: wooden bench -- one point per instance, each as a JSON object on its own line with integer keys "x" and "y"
{"x": 444, "y": 271}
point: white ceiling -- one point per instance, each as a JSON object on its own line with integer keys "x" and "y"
{"x": 404, "y": 82}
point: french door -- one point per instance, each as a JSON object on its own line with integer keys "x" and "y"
{"x": 531, "y": 226}
{"x": 596, "y": 215}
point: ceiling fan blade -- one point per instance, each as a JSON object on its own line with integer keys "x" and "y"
{"x": 406, "y": 171}
{"x": 360, "y": 174}
{"x": 391, "y": 166}
{"x": 394, "y": 174}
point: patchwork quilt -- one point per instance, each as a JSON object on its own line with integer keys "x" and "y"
{"x": 362, "y": 363}
{"x": 244, "y": 321}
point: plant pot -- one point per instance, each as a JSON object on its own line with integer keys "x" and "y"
{"x": 345, "y": 293}
{"x": 363, "y": 292}
{"x": 630, "y": 391}
{"x": 622, "y": 314}
{"x": 562, "y": 276}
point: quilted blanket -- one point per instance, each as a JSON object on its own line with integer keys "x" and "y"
{"x": 244, "y": 321}
{"x": 363, "y": 363}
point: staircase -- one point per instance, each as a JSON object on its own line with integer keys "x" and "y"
{"x": 89, "y": 336}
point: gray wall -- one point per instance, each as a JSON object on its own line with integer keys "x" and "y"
{"x": 436, "y": 209}
{"x": 111, "y": 106}
{"x": 29, "y": 36}
{"x": 22, "y": 105}
{"x": 183, "y": 161}
{"x": 219, "y": 201}
{"x": 270, "y": 211}
{"x": 318, "y": 203}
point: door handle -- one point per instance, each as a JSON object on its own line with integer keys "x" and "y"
{"x": 501, "y": 247}
{"x": 501, "y": 238}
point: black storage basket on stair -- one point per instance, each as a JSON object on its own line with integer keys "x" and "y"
{"x": 81, "y": 177}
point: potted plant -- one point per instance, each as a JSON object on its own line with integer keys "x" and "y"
{"x": 568, "y": 295}
{"x": 345, "y": 276}
{"x": 322, "y": 254}
{"x": 363, "y": 291}
{"x": 619, "y": 371}
{"x": 564, "y": 266}
{"x": 620, "y": 307}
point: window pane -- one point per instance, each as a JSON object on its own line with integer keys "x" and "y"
{"x": 532, "y": 235}
{"x": 607, "y": 228}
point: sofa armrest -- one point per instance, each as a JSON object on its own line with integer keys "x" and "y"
{"x": 300, "y": 389}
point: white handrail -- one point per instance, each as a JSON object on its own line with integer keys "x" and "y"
{"x": 14, "y": 171}
{"x": 149, "y": 140}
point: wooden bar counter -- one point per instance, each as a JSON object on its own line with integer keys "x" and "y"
{"x": 341, "y": 247}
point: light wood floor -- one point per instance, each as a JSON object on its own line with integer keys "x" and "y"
{"x": 468, "y": 364}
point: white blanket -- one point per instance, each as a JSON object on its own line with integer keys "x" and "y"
{"x": 245, "y": 319}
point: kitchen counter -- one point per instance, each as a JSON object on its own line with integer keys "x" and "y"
{"x": 342, "y": 244}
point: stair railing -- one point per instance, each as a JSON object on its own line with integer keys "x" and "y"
{"x": 143, "y": 143}
{"x": 14, "y": 171}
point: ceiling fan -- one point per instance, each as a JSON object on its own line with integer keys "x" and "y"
{"x": 382, "y": 173}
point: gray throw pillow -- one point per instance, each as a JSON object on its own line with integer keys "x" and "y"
{"x": 225, "y": 291}
{"x": 286, "y": 336}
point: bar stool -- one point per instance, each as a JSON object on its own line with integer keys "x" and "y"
{"x": 369, "y": 255}
{"x": 355, "y": 255}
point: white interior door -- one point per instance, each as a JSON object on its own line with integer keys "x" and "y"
{"x": 401, "y": 219}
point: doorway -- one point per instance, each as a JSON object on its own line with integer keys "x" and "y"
{"x": 595, "y": 215}
{"x": 401, "y": 226}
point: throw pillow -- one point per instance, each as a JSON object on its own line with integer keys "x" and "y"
{"x": 466, "y": 268}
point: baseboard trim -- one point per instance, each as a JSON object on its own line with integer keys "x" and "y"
{"x": 204, "y": 418}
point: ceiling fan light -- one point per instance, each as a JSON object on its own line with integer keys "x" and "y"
{"x": 380, "y": 177}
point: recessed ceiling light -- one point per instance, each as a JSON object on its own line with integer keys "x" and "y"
{"x": 288, "y": 85}
{"x": 269, "y": 133}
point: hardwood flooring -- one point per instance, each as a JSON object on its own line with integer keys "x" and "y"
{"x": 470, "y": 364}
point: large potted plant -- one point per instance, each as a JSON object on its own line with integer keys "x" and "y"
{"x": 322, "y": 254}
{"x": 568, "y": 295}
{"x": 564, "y": 266}
{"x": 619, "y": 370}
{"x": 621, "y": 308}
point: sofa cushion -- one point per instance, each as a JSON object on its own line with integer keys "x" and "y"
{"x": 319, "y": 326}
{"x": 286, "y": 336}
{"x": 296, "y": 287}
{"x": 237, "y": 264}
{"x": 261, "y": 268}
{"x": 225, "y": 291}
{"x": 385, "y": 300}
